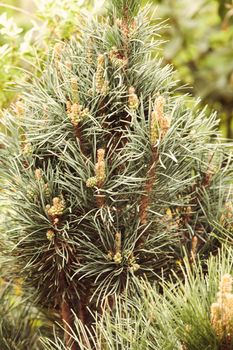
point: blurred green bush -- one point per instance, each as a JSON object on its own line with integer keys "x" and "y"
{"x": 199, "y": 43}
{"x": 28, "y": 29}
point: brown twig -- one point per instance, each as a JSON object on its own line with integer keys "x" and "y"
{"x": 145, "y": 200}
{"x": 78, "y": 135}
{"x": 100, "y": 200}
{"x": 67, "y": 316}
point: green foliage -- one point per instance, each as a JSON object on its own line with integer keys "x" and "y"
{"x": 26, "y": 35}
{"x": 146, "y": 319}
{"x": 199, "y": 45}
{"x": 9, "y": 54}
{"x": 19, "y": 326}
{"x": 109, "y": 177}
{"x": 123, "y": 6}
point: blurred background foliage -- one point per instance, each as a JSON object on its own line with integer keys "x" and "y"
{"x": 198, "y": 34}
{"x": 28, "y": 29}
{"x": 200, "y": 46}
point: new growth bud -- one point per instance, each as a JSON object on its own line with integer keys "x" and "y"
{"x": 158, "y": 121}
{"x": 227, "y": 217}
{"x": 47, "y": 191}
{"x": 117, "y": 257}
{"x": 222, "y": 310}
{"x": 20, "y": 110}
{"x": 100, "y": 173}
{"x": 77, "y": 113}
{"x": 58, "y": 48}
{"x": 163, "y": 120}
{"x": 118, "y": 242}
{"x": 27, "y": 148}
{"x": 50, "y": 235}
{"x": 117, "y": 59}
{"x": 153, "y": 128}
{"x": 133, "y": 101}
{"x": 91, "y": 182}
{"x": 68, "y": 106}
{"x": 101, "y": 85}
{"x": 133, "y": 264}
{"x": 100, "y": 167}
{"x": 225, "y": 285}
{"x": 194, "y": 248}
{"x": 56, "y": 210}
{"x": 74, "y": 89}
{"x": 124, "y": 28}
{"x": 38, "y": 174}
{"x": 68, "y": 65}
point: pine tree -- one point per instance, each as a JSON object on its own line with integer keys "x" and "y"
{"x": 109, "y": 173}
{"x": 185, "y": 316}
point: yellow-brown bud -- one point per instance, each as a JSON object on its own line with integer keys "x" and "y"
{"x": 225, "y": 285}
{"x": 74, "y": 89}
{"x": 135, "y": 267}
{"x": 124, "y": 27}
{"x": 113, "y": 52}
{"x": 100, "y": 173}
{"x": 133, "y": 101}
{"x": 100, "y": 154}
{"x": 68, "y": 65}
{"x": 50, "y": 235}
{"x": 20, "y": 110}
{"x": 100, "y": 60}
{"x": 153, "y": 128}
{"x": 194, "y": 247}
{"x": 91, "y": 182}
{"x": 77, "y": 113}
{"x": 47, "y": 190}
{"x": 110, "y": 255}
{"x": 229, "y": 210}
{"x": 162, "y": 120}
{"x": 57, "y": 208}
{"x": 27, "y": 148}
{"x": 101, "y": 85}
{"x": 68, "y": 106}
{"x": 105, "y": 87}
{"x": 38, "y": 174}
{"x": 116, "y": 58}
{"x": 31, "y": 193}
{"x": 222, "y": 310}
{"x": 117, "y": 258}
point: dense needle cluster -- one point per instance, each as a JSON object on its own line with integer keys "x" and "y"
{"x": 108, "y": 175}
{"x": 222, "y": 309}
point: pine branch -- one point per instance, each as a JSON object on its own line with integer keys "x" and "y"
{"x": 106, "y": 173}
